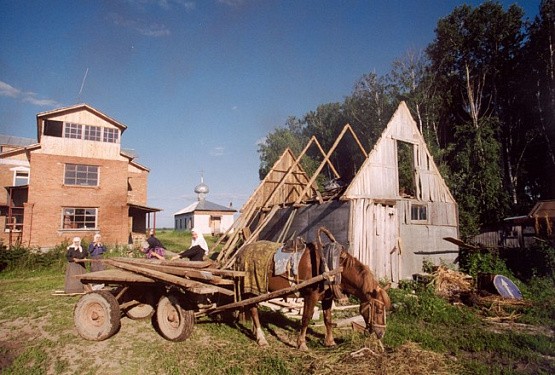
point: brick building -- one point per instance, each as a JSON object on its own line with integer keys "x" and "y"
{"x": 74, "y": 181}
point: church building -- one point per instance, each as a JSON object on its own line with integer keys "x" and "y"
{"x": 207, "y": 217}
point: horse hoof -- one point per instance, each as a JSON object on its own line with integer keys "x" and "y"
{"x": 330, "y": 344}
{"x": 303, "y": 348}
{"x": 262, "y": 343}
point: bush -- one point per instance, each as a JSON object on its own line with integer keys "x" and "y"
{"x": 21, "y": 258}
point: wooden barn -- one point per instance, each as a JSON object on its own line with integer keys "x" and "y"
{"x": 389, "y": 220}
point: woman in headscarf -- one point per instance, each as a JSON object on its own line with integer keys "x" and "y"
{"x": 96, "y": 249}
{"x": 198, "y": 248}
{"x": 75, "y": 252}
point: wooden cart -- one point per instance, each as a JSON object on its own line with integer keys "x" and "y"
{"x": 173, "y": 294}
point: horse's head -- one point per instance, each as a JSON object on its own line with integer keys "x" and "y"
{"x": 373, "y": 310}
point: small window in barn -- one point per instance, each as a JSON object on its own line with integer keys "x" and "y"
{"x": 405, "y": 169}
{"x": 92, "y": 133}
{"x": 53, "y": 128}
{"x": 418, "y": 212}
{"x": 73, "y": 131}
{"x": 81, "y": 175}
{"x": 79, "y": 218}
{"x": 111, "y": 135}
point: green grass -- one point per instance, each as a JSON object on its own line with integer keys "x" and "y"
{"x": 37, "y": 336}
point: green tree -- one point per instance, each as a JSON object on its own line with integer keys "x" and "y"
{"x": 290, "y": 136}
{"x": 474, "y": 57}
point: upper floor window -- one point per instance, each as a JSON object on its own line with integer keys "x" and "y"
{"x": 111, "y": 135}
{"x": 81, "y": 175}
{"x": 79, "y": 131}
{"x": 79, "y": 218}
{"x": 21, "y": 178}
{"x": 92, "y": 133}
{"x": 73, "y": 131}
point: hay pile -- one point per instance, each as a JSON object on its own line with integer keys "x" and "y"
{"x": 408, "y": 358}
{"x": 449, "y": 283}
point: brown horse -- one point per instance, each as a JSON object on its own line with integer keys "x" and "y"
{"x": 356, "y": 279}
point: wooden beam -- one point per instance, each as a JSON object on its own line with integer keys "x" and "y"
{"x": 193, "y": 286}
{"x": 272, "y": 295}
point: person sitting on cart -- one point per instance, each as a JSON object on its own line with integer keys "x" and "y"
{"x": 96, "y": 249}
{"x": 198, "y": 248}
{"x": 153, "y": 248}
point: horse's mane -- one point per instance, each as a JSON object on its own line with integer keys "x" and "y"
{"x": 356, "y": 270}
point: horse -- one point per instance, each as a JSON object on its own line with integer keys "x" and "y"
{"x": 356, "y": 279}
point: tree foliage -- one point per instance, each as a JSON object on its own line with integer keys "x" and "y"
{"x": 483, "y": 96}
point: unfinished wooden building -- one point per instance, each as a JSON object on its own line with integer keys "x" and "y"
{"x": 392, "y": 226}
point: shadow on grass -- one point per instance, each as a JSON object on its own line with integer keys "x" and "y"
{"x": 273, "y": 323}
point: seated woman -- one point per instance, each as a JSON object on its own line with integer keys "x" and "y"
{"x": 198, "y": 248}
{"x": 153, "y": 248}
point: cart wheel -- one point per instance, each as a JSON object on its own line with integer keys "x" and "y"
{"x": 172, "y": 321}
{"x": 141, "y": 311}
{"x": 97, "y": 315}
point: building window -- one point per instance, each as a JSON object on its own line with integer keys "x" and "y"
{"x": 92, "y": 133}
{"x": 418, "y": 212}
{"x": 81, "y": 175}
{"x": 73, "y": 130}
{"x": 79, "y": 218}
{"x": 20, "y": 176}
{"x": 111, "y": 135}
{"x": 53, "y": 128}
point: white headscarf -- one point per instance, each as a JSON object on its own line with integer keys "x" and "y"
{"x": 200, "y": 241}
{"x": 76, "y": 244}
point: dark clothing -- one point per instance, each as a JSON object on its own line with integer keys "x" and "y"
{"x": 154, "y": 242}
{"x": 73, "y": 285}
{"x": 195, "y": 253}
{"x": 76, "y": 253}
{"x": 96, "y": 251}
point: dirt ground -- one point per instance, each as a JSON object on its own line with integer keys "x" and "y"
{"x": 64, "y": 352}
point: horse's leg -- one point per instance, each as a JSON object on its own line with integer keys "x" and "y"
{"x": 257, "y": 327}
{"x": 326, "y": 306}
{"x": 308, "y": 310}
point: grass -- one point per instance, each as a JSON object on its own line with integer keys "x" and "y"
{"x": 426, "y": 334}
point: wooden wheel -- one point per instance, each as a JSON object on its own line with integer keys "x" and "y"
{"x": 97, "y": 315}
{"x": 172, "y": 321}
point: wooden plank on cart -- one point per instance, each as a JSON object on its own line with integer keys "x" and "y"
{"x": 199, "y": 274}
{"x": 272, "y": 295}
{"x": 113, "y": 275}
{"x": 191, "y": 285}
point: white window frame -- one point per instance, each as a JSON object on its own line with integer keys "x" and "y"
{"x": 18, "y": 170}
{"x": 110, "y": 135}
{"x": 92, "y": 133}
{"x": 73, "y": 130}
{"x": 77, "y": 218}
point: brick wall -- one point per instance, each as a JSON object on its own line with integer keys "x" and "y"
{"x": 48, "y": 195}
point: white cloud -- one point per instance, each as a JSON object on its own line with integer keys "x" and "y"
{"x": 28, "y": 97}
{"x": 8, "y": 90}
{"x": 232, "y": 3}
{"x": 153, "y": 29}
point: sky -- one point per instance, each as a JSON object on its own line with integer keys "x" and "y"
{"x": 200, "y": 83}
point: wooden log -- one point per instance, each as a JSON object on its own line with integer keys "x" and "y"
{"x": 191, "y": 285}
{"x": 277, "y": 293}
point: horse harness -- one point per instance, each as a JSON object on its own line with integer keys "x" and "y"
{"x": 373, "y": 305}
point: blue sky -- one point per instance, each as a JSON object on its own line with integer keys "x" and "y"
{"x": 199, "y": 83}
